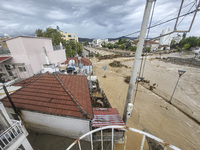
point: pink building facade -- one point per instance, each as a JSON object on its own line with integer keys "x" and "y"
{"x": 29, "y": 54}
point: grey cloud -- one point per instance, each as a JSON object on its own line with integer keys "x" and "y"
{"x": 86, "y": 18}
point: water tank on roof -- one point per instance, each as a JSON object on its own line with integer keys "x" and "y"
{"x": 72, "y": 62}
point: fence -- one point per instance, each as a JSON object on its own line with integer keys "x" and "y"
{"x": 165, "y": 144}
{"x": 10, "y": 134}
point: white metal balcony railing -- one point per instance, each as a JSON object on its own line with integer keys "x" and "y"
{"x": 123, "y": 128}
{"x": 10, "y": 134}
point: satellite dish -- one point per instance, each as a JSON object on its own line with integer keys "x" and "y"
{"x": 72, "y": 62}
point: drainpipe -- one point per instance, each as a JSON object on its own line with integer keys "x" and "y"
{"x": 10, "y": 100}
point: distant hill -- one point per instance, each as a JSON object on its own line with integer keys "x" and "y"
{"x": 84, "y": 39}
{"x": 123, "y": 37}
{"x": 109, "y": 39}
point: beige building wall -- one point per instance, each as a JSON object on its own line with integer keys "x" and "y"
{"x": 69, "y": 36}
{"x": 29, "y": 52}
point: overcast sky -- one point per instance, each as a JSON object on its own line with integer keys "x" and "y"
{"x": 90, "y": 18}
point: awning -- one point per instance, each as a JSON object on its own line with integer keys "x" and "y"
{"x": 106, "y": 117}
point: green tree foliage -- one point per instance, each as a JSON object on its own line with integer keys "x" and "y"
{"x": 187, "y": 46}
{"x": 128, "y": 45}
{"x": 104, "y": 45}
{"x": 71, "y": 47}
{"x": 86, "y": 43}
{"x": 173, "y": 44}
{"x": 133, "y": 48}
{"x": 148, "y": 50}
{"x": 192, "y": 41}
{"x": 110, "y": 46}
{"x": 39, "y": 33}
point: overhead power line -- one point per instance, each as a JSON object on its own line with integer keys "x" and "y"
{"x": 174, "y": 13}
{"x": 162, "y": 22}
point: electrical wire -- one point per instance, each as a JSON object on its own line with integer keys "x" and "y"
{"x": 160, "y": 23}
{"x": 173, "y": 13}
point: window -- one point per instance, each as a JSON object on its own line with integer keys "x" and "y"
{"x": 22, "y": 69}
{"x": 1, "y": 69}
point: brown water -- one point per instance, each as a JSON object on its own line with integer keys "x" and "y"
{"x": 151, "y": 112}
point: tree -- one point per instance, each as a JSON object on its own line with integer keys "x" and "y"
{"x": 148, "y": 49}
{"x": 192, "y": 41}
{"x": 110, "y": 46}
{"x": 39, "y": 33}
{"x": 86, "y": 43}
{"x": 187, "y": 46}
{"x": 71, "y": 47}
{"x": 133, "y": 48}
{"x": 173, "y": 44}
{"x": 128, "y": 45}
{"x": 104, "y": 44}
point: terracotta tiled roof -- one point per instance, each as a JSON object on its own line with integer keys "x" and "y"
{"x": 2, "y": 59}
{"x": 55, "y": 94}
{"x": 84, "y": 61}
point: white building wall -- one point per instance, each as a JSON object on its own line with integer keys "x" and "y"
{"x": 57, "y": 125}
{"x": 165, "y": 40}
{"x": 88, "y": 68}
{"x": 57, "y": 57}
{"x": 154, "y": 47}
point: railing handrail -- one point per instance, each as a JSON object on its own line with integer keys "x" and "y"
{"x": 11, "y": 127}
{"x": 125, "y": 129}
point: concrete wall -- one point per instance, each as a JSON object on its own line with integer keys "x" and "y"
{"x": 57, "y": 57}
{"x": 56, "y": 125}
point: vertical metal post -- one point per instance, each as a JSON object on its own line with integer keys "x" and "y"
{"x": 10, "y": 100}
{"x": 174, "y": 90}
{"x": 125, "y": 139}
{"x": 3, "y": 142}
{"x": 142, "y": 144}
{"x": 79, "y": 145}
{"x": 138, "y": 56}
{"x": 91, "y": 142}
{"x": 101, "y": 140}
{"x": 112, "y": 138}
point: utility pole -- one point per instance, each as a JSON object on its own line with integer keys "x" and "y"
{"x": 137, "y": 60}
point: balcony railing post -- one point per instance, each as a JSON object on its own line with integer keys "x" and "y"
{"x": 123, "y": 128}
{"x": 10, "y": 134}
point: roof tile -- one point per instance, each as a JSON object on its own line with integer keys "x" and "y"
{"x": 45, "y": 94}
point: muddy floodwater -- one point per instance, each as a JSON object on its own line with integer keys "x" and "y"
{"x": 151, "y": 111}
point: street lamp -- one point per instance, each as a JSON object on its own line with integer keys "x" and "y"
{"x": 180, "y": 72}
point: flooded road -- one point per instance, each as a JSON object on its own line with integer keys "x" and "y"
{"x": 151, "y": 112}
